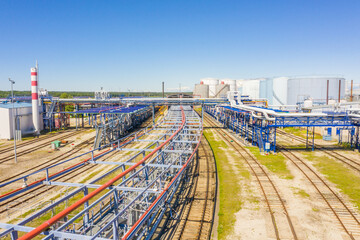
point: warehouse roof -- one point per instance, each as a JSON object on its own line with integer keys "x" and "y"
{"x": 9, "y": 105}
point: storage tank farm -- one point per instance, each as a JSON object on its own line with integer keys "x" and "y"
{"x": 293, "y": 90}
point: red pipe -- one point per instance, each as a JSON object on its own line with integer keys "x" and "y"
{"x": 163, "y": 192}
{"x": 42, "y": 179}
{"x": 80, "y": 202}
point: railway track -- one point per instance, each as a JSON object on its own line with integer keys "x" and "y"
{"x": 196, "y": 206}
{"x": 29, "y": 142}
{"x": 41, "y": 190}
{"x": 53, "y": 160}
{"x": 274, "y": 202}
{"x": 348, "y": 161}
{"x": 347, "y": 218}
{"x": 37, "y": 147}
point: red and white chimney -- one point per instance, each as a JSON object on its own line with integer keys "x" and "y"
{"x": 35, "y": 99}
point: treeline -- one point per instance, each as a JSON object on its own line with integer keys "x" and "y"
{"x": 71, "y": 94}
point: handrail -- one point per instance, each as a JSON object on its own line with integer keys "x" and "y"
{"x": 82, "y": 201}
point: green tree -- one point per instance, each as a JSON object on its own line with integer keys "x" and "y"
{"x": 69, "y": 108}
{"x": 65, "y": 95}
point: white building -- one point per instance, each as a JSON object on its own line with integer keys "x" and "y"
{"x": 23, "y": 112}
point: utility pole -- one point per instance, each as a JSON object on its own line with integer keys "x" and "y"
{"x": 163, "y": 93}
{"x": 14, "y": 116}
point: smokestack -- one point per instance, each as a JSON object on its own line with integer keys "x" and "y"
{"x": 35, "y": 100}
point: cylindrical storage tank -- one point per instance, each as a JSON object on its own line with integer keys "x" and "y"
{"x": 308, "y": 103}
{"x": 212, "y": 82}
{"x": 251, "y": 88}
{"x": 221, "y": 90}
{"x": 201, "y": 91}
{"x": 35, "y": 100}
{"x": 230, "y": 82}
{"x": 239, "y": 85}
{"x": 301, "y": 88}
{"x": 279, "y": 91}
{"x": 331, "y": 101}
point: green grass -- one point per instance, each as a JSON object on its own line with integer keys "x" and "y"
{"x": 344, "y": 178}
{"x": 230, "y": 189}
{"x": 315, "y": 209}
{"x": 301, "y": 132}
{"x": 300, "y": 192}
{"x": 275, "y": 163}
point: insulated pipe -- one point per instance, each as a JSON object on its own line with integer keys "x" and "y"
{"x": 82, "y": 201}
{"x": 35, "y": 100}
{"x": 267, "y": 112}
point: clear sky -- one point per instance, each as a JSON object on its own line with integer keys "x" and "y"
{"x": 121, "y": 45}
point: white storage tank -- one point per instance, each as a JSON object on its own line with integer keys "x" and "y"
{"x": 308, "y": 103}
{"x": 212, "y": 82}
{"x": 279, "y": 91}
{"x": 201, "y": 91}
{"x": 331, "y": 101}
{"x": 230, "y": 82}
{"x": 301, "y": 88}
{"x": 239, "y": 85}
{"x": 251, "y": 88}
{"x": 222, "y": 90}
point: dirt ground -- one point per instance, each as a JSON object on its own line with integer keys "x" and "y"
{"x": 311, "y": 217}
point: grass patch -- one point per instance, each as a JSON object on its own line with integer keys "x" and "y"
{"x": 230, "y": 189}
{"x": 275, "y": 163}
{"x": 315, "y": 209}
{"x": 344, "y": 178}
{"x": 300, "y": 192}
{"x": 302, "y": 132}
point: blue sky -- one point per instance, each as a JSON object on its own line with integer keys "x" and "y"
{"x": 121, "y": 45}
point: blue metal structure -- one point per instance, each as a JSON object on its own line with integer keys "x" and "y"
{"x": 261, "y": 131}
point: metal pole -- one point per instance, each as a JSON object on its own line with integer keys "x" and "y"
{"x": 327, "y": 92}
{"x": 163, "y": 92}
{"x": 351, "y": 91}
{"x": 307, "y": 137}
{"x": 14, "y": 116}
{"x": 153, "y": 114}
{"x": 339, "y": 88}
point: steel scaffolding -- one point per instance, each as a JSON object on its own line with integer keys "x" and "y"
{"x": 136, "y": 192}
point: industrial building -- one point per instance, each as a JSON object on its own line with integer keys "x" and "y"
{"x": 24, "y": 119}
